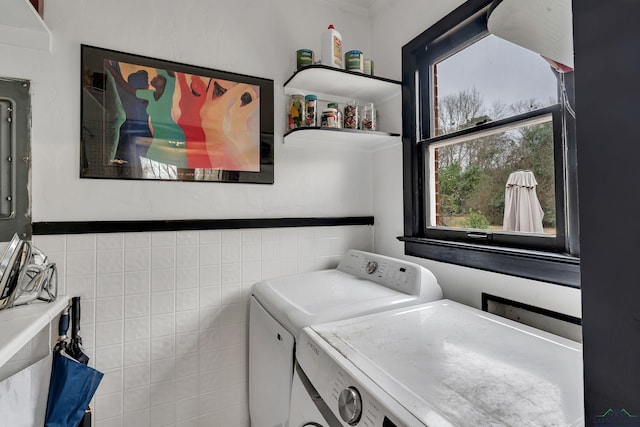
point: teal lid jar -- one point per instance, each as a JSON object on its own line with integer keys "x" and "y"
{"x": 310, "y": 110}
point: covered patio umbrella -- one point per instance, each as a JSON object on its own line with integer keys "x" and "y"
{"x": 522, "y": 210}
{"x": 73, "y": 383}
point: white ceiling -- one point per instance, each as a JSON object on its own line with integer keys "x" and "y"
{"x": 365, "y": 7}
{"x": 372, "y": 7}
{"x": 361, "y": 3}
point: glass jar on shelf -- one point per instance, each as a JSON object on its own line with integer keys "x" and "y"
{"x": 295, "y": 111}
{"x": 310, "y": 110}
{"x": 338, "y": 113}
{"x": 329, "y": 118}
{"x": 368, "y": 117}
{"x": 351, "y": 116}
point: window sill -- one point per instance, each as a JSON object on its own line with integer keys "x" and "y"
{"x": 561, "y": 269}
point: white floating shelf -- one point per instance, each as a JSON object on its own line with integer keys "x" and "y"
{"x": 20, "y": 25}
{"x": 18, "y": 325}
{"x": 343, "y": 138}
{"x": 336, "y": 84}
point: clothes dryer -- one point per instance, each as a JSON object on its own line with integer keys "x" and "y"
{"x": 280, "y": 308}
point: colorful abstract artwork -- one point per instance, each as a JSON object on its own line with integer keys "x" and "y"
{"x": 144, "y": 118}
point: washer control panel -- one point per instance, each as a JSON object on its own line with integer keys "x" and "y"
{"x": 350, "y": 401}
{"x": 400, "y": 275}
{"x": 351, "y": 396}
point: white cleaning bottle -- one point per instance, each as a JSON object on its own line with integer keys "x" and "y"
{"x": 331, "y": 47}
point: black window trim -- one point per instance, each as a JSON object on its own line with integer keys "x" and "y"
{"x": 555, "y": 267}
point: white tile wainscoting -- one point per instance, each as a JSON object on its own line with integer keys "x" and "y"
{"x": 164, "y": 314}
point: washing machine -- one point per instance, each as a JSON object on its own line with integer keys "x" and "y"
{"x": 280, "y": 308}
{"x": 438, "y": 364}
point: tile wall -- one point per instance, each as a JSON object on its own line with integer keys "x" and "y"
{"x": 164, "y": 314}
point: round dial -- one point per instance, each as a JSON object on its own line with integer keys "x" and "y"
{"x": 350, "y": 405}
{"x": 371, "y": 267}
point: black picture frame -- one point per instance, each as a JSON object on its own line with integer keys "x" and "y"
{"x": 216, "y": 127}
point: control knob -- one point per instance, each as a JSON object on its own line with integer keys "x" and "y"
{"x": 371, "y": 267}
{"x": 350, "y": 405}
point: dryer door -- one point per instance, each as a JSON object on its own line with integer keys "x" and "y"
{"x": 270, "y": 368}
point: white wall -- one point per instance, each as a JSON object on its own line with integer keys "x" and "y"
{"x": 248, "y": 37}
{"x": 459, "y": 283}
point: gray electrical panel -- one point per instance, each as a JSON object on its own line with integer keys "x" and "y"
{"x": 15, "y": 159}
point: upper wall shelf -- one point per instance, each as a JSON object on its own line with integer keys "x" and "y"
{"x": 21, "y": 25}
{"x": 19, "y": 324}
{"x": 333, "y": 83}
{"x": 351, "y": 139}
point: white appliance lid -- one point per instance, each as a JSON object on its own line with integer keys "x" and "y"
{"x": 306, "y": 299}
{"x": 471, "y": 367}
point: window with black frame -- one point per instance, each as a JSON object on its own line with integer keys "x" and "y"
{"x": 489, "y": 152}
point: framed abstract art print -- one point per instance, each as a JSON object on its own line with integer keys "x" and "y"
{"x": 150, "y": 119}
